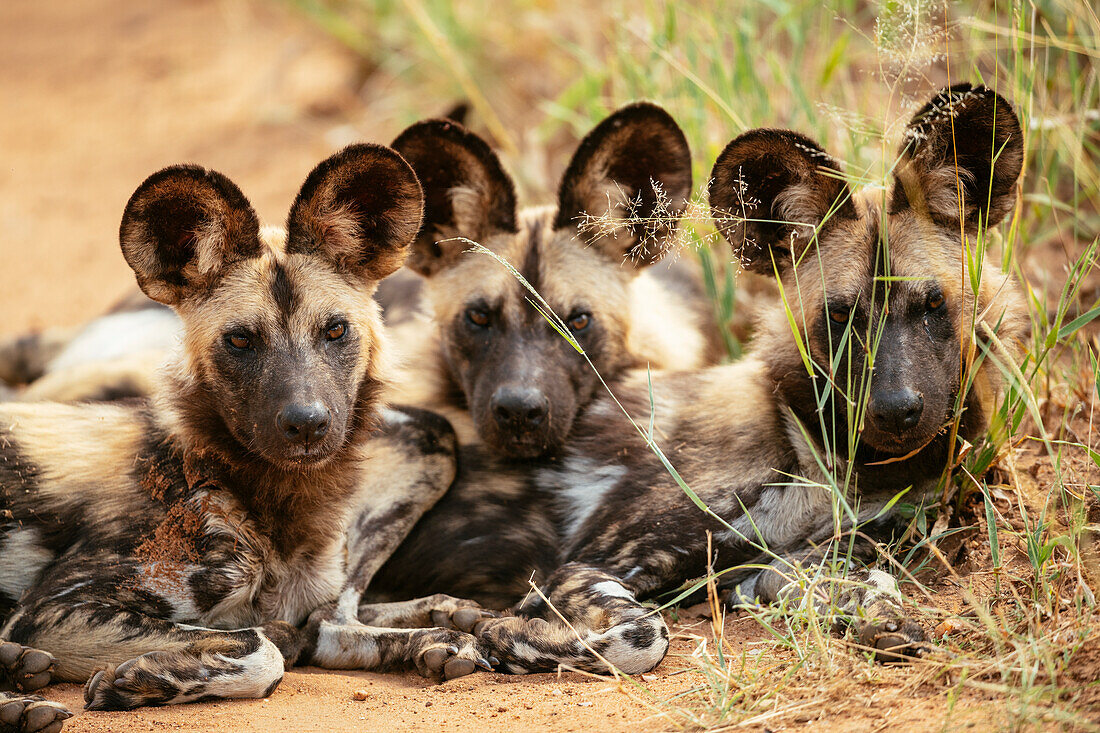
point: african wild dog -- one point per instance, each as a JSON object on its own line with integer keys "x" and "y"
{"x": 487, "y": 359}
{"x": 752, "y": 438}
{"x": 169, "y": 551}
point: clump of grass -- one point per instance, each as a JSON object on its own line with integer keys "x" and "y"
{"x": 1004, "y": 566}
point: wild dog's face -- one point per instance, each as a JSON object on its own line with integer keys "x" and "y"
{"x": 281, "y": 332}
{"x": 878, "y": 284}
{"x": 522, "y": 381}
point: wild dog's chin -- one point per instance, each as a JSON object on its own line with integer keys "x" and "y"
{"x": 302, "y": 459}
{"x": 294, "y": 458}
{"x": 522, "y": 449}
{"x": 527, "y": 446}
{"x": 885, "y": 444}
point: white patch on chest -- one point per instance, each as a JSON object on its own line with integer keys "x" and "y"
{"x": 783, "y": 514}
{"x": 787, "y": 513}
{"x": 579, "y": 486}
{"x": 296, "y": 587}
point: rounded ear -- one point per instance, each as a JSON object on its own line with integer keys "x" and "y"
{"x": 359, "y": 210}
{"x": 466, "y": 191}
{"x": 966, "y": 142}
{"x": 628, "y": 184}
{"x": 182, "y": 228}
{"x": 770, "y": 191}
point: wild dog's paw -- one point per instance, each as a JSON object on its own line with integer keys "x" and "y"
{"x": 893, "y": 640}
{"x": 151, "y": 679}
{"x": 446, "y": 653}
{"x": 456, "y": 613}
{"x": 494, "y": 630}
{"x": 23, "y": 668}
{"x": 512, "y": 642}
{"x": 31, "y": 714}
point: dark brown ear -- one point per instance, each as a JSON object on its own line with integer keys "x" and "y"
{"x": 466, "y": 191}
{"x": 966, "y": 141}
{"x": 628, "y": 184}
{"x": 182, "y": 228}
{"x": 358, "y": 209}
{"x": 770, "y": 191}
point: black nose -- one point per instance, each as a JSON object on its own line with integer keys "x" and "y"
{"x": 304, "y": 423}
{"x": 519, "y": 408}
{"x": 899, "y": 409}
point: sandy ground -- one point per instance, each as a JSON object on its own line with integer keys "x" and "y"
{"x": 875, "y": 698}
{"x": 98, "y": 94}
{"x": 313, "y": 699}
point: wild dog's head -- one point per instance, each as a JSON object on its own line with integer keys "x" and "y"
{"x": 867, "y": 274}
{"x": 522, "y": 382}
{"x": 282, "y": 337}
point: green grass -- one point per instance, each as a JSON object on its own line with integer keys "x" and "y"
{"x": 541, "y": 74}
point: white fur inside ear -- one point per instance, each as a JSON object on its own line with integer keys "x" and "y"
{"x": 337, "y": 227}
{"x": 802, "y": 205}
{"x": 610, "y": 201}
{"x": 209, "y": 243}
{"x": 470, "y": 206}
{"x": 944, "y": 190}
{"x": 940, "y": 191}
{"x": 606, "y": 217}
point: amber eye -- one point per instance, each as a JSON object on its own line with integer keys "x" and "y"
{"x": 579, "y": 321}
{"x": 336, "y": 331}
{"x": 935, "y": 300}
{"x": 477, "y": 317}
{"x": 839, "y": 315}
{"x": 239, "y": 341}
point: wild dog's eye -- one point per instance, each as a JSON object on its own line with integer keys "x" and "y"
{"x": 336, "y": 331}
{"x": 935, "y": 300}
{"x": 477, "y": 317}
{"x": 238, "y": 341}
{"x": 840, "y": 314}
{"x": 579, "y": 321}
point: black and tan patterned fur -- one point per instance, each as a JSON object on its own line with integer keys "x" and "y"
{"x": 605, "y": 525}
{"x": 188, "y": 547}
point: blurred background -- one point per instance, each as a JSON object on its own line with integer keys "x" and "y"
{"x": 97, "y": 94}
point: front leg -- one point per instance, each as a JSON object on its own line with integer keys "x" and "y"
{"x": 867, "y": 602}
{"x": 131, "y": 659}
{"x": 438, "y": 610}
{"x": 604, "y": 624}
{"x": 871, "y": 603}
{"x": 410, "y": 464}
{"x": 335, "y": 640}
